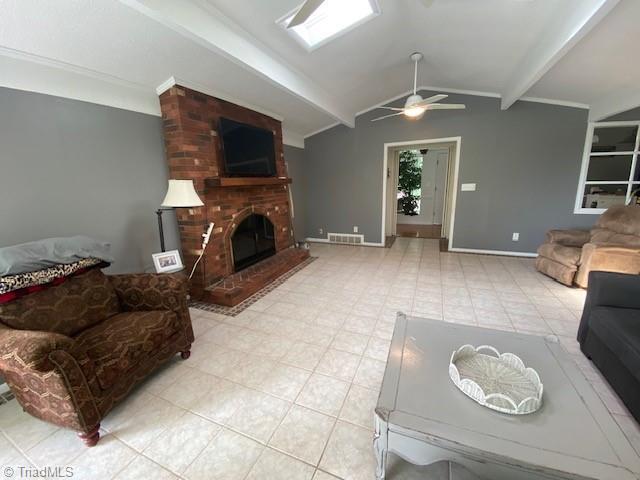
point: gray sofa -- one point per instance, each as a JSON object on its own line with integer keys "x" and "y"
{"x": 609, "y": 333}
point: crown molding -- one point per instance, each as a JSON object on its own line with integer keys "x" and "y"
{"x": 69, "y": 67}
{"x": 474, "y": 93}
{"x": 561, "y": 103}
{"x": 320, "y": 130}
{"x": 34, "y": 73}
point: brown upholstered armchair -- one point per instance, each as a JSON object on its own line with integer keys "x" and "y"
{"x": 612, "y": 245}
{"x": 72, "y": 351}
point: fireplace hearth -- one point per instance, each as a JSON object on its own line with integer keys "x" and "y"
{"x": 252, "y": 241}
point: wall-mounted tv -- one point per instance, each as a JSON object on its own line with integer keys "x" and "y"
{"x": 248, "y": 151}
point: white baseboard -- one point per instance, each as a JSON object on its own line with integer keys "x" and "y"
{"x": 316, "y": 240}
{"x": 373, "y": 244}
{"x": 493, "y": 252}
{"x": 454, "y": 249}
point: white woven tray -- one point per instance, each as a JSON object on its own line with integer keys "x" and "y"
{"x": 497, "y": 381}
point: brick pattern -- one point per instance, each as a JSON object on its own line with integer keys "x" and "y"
{"x": 262, "y": 293}
{"x": 194, "y": 152}
{"x": 236, "y": 288}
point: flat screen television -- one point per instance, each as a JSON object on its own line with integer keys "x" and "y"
{"x": 248, "y": 151}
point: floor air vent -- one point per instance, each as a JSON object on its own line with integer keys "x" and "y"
{"x": 346, "y": 238}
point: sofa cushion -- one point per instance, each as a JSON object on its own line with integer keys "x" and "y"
{"x": 609, "y": 237}
{"x": 624, "y": 219}
{"x": 569, "y": 256}
{"x": 120, "y": 343}
{"x": 619, "y": 329}
{"x": 69, "y": 308}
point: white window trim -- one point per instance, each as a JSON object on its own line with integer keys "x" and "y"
{"x": 578, "y": 209}
{"x": 310, "y": 48}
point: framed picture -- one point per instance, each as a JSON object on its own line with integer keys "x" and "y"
{"x": 167, "y": 262}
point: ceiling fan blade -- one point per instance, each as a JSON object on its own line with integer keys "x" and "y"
{"x": 445, "y": 106}
{"x": 387, "y": 116}
{"x": 430, "y": 100}
{"x": 393, "y": 108}
{"x": 306, "y": 10}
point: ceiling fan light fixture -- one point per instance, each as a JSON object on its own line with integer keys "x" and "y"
{"x": 415, "y": 106}
{"x": 414, "y": 112}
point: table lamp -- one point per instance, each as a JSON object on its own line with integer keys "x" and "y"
{"x": 180, "y": 194}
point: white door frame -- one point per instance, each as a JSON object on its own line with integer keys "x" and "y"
{"x": 456, "y": 166}
{"x": 392, "y": 178}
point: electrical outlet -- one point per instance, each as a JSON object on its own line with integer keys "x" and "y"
{"x": 515, "y": 237}
{"x": 320, "y": 231}
{"x": 355, "y": 229}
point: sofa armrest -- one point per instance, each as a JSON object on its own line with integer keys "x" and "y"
{"x": 51, "y": 378}
{"x": 568, "y": 238}
{"x": 151, "y": 291}
{"x": 609, "y": 289}
{"x": 31, "y": 349}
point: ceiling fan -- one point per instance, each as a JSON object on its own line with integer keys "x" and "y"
{"x": 310, "y": 6}
{"x": 415, "y": 106}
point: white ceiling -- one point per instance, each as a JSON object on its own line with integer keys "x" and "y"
{"x": 75, "y": 48}
{"x": 602, "y": 66}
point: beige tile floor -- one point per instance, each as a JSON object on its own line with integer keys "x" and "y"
{"x": 286, "y": 389}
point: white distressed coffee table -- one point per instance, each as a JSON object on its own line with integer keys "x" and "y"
{"x": 422, "y": 417}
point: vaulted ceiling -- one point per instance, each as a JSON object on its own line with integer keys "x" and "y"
{"x": 122, "y": 53}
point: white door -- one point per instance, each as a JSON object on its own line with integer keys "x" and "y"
{"x": 442, "y": 162}
{"x": 392, "y": 192}
{"x": 429, "y": 185}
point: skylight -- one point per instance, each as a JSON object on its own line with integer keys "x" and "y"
{"x": 331, "y": 19}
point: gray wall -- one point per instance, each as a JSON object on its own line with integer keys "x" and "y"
{"x": 294, "y": 157}
{"x": 525, "y": 161}
{"x": 71, "y": 168}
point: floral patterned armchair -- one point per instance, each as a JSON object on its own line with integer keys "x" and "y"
{"x": 72, "y": 351}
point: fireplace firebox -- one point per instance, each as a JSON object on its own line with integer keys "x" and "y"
{"x": 252, "y": 241}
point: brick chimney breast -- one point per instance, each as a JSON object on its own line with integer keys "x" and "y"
{"x": 194, "y": 151}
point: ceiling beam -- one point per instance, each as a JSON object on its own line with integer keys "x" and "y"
{"x": 613, "y": 104}
{"x": 211, "y": 29}
{"x": 562, "y": 34}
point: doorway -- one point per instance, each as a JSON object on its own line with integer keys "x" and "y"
{"x": 422, "y": 175}
{"x": 419, "y": 189}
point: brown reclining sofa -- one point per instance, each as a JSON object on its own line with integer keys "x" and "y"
{"x": 612, "y": 245}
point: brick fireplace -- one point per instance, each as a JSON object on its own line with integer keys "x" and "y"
{"x": 194, "y": 151}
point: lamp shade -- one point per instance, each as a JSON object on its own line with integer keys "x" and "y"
{"x": 181, "y": 193}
